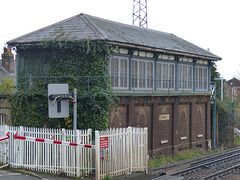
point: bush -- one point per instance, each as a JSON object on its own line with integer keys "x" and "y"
{"x": 7, "y": 86}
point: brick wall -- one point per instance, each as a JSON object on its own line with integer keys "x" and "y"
{"x": 174, "y": 123}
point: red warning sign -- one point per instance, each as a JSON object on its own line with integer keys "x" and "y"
{"x": 103, "y": 142}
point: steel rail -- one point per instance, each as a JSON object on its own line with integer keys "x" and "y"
{"x": 191, "y": 169}
{"x": 215, "y": 157}
{"x": 223, "y": 172}
{"x": 174, "y": 168}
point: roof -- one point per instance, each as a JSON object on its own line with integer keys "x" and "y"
{"x": 84, "y": 26}
{"x": 3, "y": 72}
{"x": 234, "y": 82}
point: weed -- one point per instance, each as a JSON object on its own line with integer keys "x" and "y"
{"x": 236, "y": 140}
{"x": 181, "y": 156}
{"x": 108, "y": 177}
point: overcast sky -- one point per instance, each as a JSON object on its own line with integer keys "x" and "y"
{"x": 209, "y": 24}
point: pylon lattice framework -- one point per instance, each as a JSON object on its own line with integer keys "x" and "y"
{"x": 140, "y": 13}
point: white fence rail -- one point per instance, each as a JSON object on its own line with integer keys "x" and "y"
{"x": 117, "y": 151}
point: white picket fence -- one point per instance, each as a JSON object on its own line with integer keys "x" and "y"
{"x": 52, "y": 158}
{"x": 126, "y": 151}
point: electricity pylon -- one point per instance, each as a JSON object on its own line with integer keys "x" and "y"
{"x": 140, "y": 13}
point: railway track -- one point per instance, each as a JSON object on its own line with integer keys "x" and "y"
{"x": 224, "y": 166}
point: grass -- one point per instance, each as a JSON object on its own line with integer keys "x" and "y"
{"x": 182, "y": 156}
{"x": 108, "y": 177}
{"x": 236, "y": 140}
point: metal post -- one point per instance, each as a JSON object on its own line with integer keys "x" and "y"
{"x": 97, "y": 155}
{"x": 75, "y": 110}
{"x": 214, "y": 125}
{"x": 64, "y": 149}
{"x": 233, "y": 89}
{"x": 213, "y": 95}
{"x": 221, "y": 78}
{"x": 78, "y": 154}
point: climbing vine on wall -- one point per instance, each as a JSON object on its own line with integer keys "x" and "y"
{"x": 82, "y": 65}
{"x": 226, "y": 118}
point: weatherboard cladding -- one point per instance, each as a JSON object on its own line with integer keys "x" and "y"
{"x": 84, "y": 26}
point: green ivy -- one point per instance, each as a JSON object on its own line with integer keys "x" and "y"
{"x": 226, "y": 121}
{"x": 82, "y": 65}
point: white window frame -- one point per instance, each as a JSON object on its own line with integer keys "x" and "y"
{"x": 201, "y": 78}
{"x": 147, "y": 83}
{"x": 185, "y": 74}
{"x": 162, "y": 80}
{"x": 119, "y": 77}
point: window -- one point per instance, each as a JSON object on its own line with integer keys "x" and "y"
{"x": 119, "y": 72}
{"x": 144, "y": 77}
{"x": 201, "y": 75}
{"x": 165, "y": 76}
{"x": 185, "y": 76}
{"x": 142, "y": 74}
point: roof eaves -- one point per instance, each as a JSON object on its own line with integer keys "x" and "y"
{"x": 153, "y": 49}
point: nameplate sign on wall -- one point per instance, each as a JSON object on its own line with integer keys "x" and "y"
{"x": 164, "y": 117}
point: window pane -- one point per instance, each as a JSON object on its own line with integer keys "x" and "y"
{"x": 197, "y": 77}
{"x": 123, "y": 73}
{"x": 190, "y": 77}
{"x": 149, "y": 75}
{"x": 114, "y": 72}
{"x": 142, "y": 74}
{"x": 171, "y": 76}
{"x": 205, "y": 78}
{"x": 200, "y": 78}
{"x": 134, "y": 73}
{"x": 158, "y": 75}
{"x": 165, "y": 75}
{"x": 180, "y": 76}
{"x": 185, "y": 79}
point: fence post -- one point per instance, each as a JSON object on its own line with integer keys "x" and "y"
{"x": 97, "y": 155}
{"x": 21, "y": 147}
{"x": 130, "y": 148}
{"x": 146, "y": 147}
{"x": 5, "y": 152}
{"x": 64, "y": 164}
{"x": 78, "y": 153}
{"x": 89, "y": 138}
{"x": 89, "y": 132}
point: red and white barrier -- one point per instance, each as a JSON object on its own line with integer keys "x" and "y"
{"x": 4, "y": 137}
{"x": 51, "y": 141}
